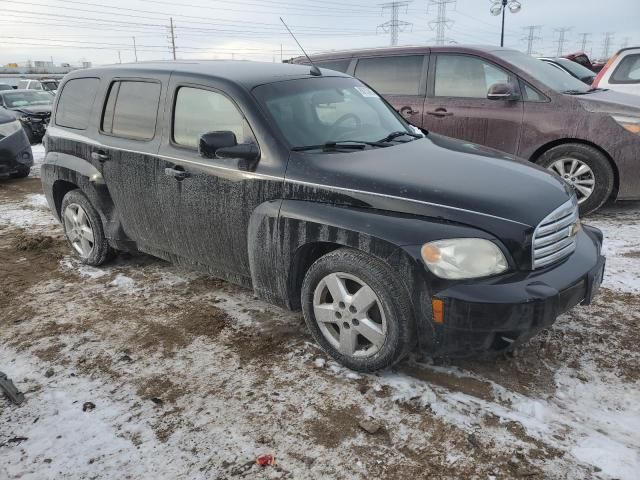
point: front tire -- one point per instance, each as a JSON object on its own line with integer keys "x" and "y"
{"x": 357, "y": 310}
{"x": 586, "y": 169}
{"x": 22, "y": 172}
{"x": 83, "y": 229}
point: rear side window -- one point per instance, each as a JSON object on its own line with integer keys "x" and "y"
{"x": 337, "y": 65}
{"x": 628, "y": 71}
{"x": 466, "y": 76}
{"x": 132, "y": 109}
{"x": 23, "y": 84}
{"x": 76, "y": 100}
{"x": 397, "y": 75}
{"x": 199, "y": 111}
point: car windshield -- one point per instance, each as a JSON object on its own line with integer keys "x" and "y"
{"x": 575, "y": 68}
{"x": 543, "y": 72}
{"x": 328, "y": 110}
{"x": 50, "y": 85}
{"x": 27, "y": 99}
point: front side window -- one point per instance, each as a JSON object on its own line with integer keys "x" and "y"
{"x": 395, "y": 75}
{"x": 76, "y": 100}
{"x": 27, "y": 98}
{"x": 132, "y": 109}
{"x": 199, "y": 111}
{"x": 322, "y": 110}
{"x": 628, "y": 71}
{"x": 466, "y": 76}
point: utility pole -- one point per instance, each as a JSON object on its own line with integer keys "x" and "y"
{"x": 607, "y": 40}
{"x": 119, "y": 57}
{"x": 584, "y": 39}
{"x": 135, "y": 50}
{"x": 441, "y": 22}
{"x": 280, "y": 53}
{"x": 561, "y": 39}
{"x": 173, "y": 38}
{"x": 394, "y": 25}
{"x": 532, "y": 37}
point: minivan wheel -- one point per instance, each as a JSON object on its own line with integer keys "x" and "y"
{"x": 83, "y": 229}
{"x": 586, "y": 169}
{"x": 357, "y": 310}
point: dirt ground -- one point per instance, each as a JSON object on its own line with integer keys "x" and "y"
{"x": 143, "y": 370}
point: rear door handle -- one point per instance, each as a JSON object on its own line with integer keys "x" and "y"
{"x": 100, "y": 156}
{"x": 177, "y": 173}
{"x": 439, "y": 112}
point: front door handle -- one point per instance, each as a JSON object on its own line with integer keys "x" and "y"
{"x": 177, "y": 173}
{"x": 100, "y": 156}
{"x": 407, "y": 110}
{"x": 439, "y": 112}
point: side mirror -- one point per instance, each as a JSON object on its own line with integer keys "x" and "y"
{"x": 211, "y": 142}
{"x": 223, "y": 144}
{"x": 502, "y": 91}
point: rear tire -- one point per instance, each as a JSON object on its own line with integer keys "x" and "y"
{"x": 374, "y": 315}
{"x": 83, "y": 229}
{"x": 599, "y": 169}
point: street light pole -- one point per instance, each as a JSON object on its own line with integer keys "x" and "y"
{"x": 500, "y": 7}
{"x": 504, "y": 8}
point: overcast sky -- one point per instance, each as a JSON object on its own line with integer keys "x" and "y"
{"x": 102, "y": 32}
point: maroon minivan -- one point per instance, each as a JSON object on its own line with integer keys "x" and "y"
{"x": 507, "y": 100}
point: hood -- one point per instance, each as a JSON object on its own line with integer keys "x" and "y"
{"x": 433, "y": 176}
{"x": 610, "y": 101}
{"x": 34, "y": 110}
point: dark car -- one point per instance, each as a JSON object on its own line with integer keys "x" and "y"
{"x": 307, "y": 187}
{"x": 16, "y": 157}
{"x": 510, "y": 101}
{"x": 31, "y": 107}
{"x": 582, "y": 59}
{"x": 572, "y": 68}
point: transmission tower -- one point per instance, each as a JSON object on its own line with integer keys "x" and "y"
{"x": 584, "y": 39}
{"x": 561, "y": 39}
{"x": 607, "y": 40}
{"x": 532, "y": 37}
{"x": 393, "y": 26}
{"x": 625, "y": 42}
{"x": 441, "y": 22}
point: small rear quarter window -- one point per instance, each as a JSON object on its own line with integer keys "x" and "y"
{"x": 131, "y": 109}
{"x": 76, "y": 100}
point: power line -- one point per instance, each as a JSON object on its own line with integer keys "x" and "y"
{"x": 532, "y": 37}
{"x": 625, "y": 42}
{"x": 561, "y": 39}
{"x": 394, "y": 25}
{"x": 607, "y": 40}
{"x": 442, "y": 22}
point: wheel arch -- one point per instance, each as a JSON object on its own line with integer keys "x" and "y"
{"x": 564, "y": 141}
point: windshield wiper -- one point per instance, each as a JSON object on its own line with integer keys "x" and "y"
{"x": 394, "y": 135}
{"x": 340, "y": 144}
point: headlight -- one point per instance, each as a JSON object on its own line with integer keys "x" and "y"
{"x": 10, "y": 128}
{"x": 631, "y": 124}
{"x": 25, "y": 119}
{"x": 458, "y": 258}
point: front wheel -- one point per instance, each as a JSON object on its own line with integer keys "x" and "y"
{"x": 83, "y": 229}
{"x": 586, "y": 169}
{"x": 357, "y": 310}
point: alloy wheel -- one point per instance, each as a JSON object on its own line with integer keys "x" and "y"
{"x": 78, "y": 229}
{"x": 349, "y": 315}
{"x": 577, "y": 174}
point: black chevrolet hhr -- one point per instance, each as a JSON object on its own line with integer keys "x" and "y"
{"x": 306, "y": 186}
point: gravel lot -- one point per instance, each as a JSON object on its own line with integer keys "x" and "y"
{"x": 191, "y": 377}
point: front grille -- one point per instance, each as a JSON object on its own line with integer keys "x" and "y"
{"x": 555, "y": 237}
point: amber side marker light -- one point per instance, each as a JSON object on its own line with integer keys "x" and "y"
{"x": 437, "y": 305}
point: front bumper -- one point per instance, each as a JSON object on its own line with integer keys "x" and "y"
{"x": 15, "y": 153}
{"x": 498, "y": 314}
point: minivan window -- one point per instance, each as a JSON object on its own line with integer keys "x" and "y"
{"x": 199, "y": 111}
{"x": 543, "y": 72}
{"x": 628, "y": 71}
{"x": 76, "y": 100}
{"x": 394, "y": 75}
{"x": 328, "y": 109}
{"x": 466, "y": 76}
{"x": 131, "y": 109}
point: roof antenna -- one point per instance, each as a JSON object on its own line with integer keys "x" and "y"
{"x": 315, "y": 71}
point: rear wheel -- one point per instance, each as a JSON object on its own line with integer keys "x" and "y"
{"x": 357, "y": 310}
{"x": 586, "y": 169}
{"x": 83, "y": 229}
